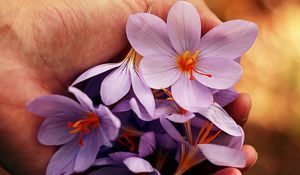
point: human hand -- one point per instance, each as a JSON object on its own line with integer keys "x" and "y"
{"x": 44, "y": 46}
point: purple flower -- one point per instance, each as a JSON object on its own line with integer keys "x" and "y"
{"x": 204, "y": 141}
{"x": 80, "y": 128}
{"x": 117, "y": 84}
{"x": 174, "y": 55}
{"x": 131, "y": 165}
{"x": 224, "y": 97}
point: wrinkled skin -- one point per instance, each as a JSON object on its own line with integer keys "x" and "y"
{"x": 45, "y": 45}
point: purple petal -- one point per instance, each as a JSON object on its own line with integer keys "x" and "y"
{"x": 181, "y": 118}
{"x": 111, "y": 171}
{"x": 140, "y": 111}
{"x": 116, "y": 85}
{"x": 95, "y": 71}
{"x": 148, "y": 35}
{"x": 55, "y": 105}
{"x": 224, "y": 97}
{"x": 225, "y": 73}
{"x": 138, "y": 165}
{"x": 84, "y": 100}
{"x": 219, "y": 117}
{"x": 223, "y": 156}
{"x": 88, "y": 152}
{"x": 55, "y": 131}
{"x": 122, "y": 106}
{"x": 142, "y": 92}
{"x": 228, "y": 40}
{"x": 147, "y": 144}
{"x": 237, "y": 142}
{"x": 63, "y": 161}
{"x": 109, "y": 122}
{"x": 184, "y": 27}
{"x": 120, "y": 156}
{"x": 104, "y": 161}
{"x": 159, "y": 71}
{"x": 171, "y": 130}
{"x": 190, "y": 94}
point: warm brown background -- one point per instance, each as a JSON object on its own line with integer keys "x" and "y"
{"x": 272, "y": 78}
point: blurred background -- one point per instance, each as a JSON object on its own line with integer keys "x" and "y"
{"x": 272, "y": 78}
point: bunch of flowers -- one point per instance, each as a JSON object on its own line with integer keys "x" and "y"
{"x": 160, "y": 106}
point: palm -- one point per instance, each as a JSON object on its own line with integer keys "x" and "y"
{"x": 43, "y": 48}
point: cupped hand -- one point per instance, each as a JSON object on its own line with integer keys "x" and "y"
{"x": 45, "y": 45}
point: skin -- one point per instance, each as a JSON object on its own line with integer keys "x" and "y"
{"x": 45, "y": 45}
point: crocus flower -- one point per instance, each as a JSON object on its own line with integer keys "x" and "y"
{"x": 204, "y": 141}
{"x": 169, "y": 109}
{"x": 174, "y": 54}
{"x": 117, "y": 84}
{"x": 131, "y": 165}
{"x": 80, "y": 128}
{"x": 224, "y": 97}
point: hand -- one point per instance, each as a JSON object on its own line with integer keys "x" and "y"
{"x": 44, "y": 46}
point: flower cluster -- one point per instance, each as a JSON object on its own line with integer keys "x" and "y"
{"x": 160, "y": 106}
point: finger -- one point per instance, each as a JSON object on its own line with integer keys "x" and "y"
{"x": 239, "y": 109}
{"x": 228, "y": 171}
{"x": 251, "y": 156}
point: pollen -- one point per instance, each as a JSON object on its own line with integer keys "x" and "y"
{"x": 187, "y": 63}
{"x": 84, "y": 126}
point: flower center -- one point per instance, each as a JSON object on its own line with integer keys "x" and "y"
{"x": 127, "y": 137}
{"x": 187, "y": 63}
{"x": 83, "y": 126}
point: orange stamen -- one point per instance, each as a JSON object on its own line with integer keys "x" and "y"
{"x": 187, "y": 63}
{"x": 83, "y": 126}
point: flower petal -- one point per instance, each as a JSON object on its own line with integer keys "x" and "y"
{"x": 190, "y": 94}
{"x": 120, "y": 156}
{"x": 159, "y": 71}
{"x": 55, "y": 105}
{"x": 116, "y": 85}
{"x": 147, "y": 144}
{"x": 140, "y": 111}
{"x": 219, "y": 117}
{"x": 224, "y": 97}
{"x": 88, "y": 152}
{"x": 223, "y": 156}
{"x": 84, "y": 100}
{"x": 184, "y": 27}
{"x": 138, "y": 165}
{"x": 55, "y": 131}
{"x": 225, "y": 73}
{"x": 122, "y": 106}
{"x": 104, "y": 161}
{"x": 95, "y": 71}
{"x": 63, "y": 161}
{"x": 142, "y": 92}
{"x": 171, "y": 130}
{"x": 148, "y": 35}
{"x": 109, "y": 122}
{"x": 181, "y": 118}
{"x": 228, "y": 40}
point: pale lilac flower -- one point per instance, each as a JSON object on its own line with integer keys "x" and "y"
{"x": 174, "y": 55}
{"x": 224, "y": 97}
{"x": 120, "y": 81}
{"x": 169, "y": 109}
{"x": 202, "y": 142}
{"x": 131, "y": 165}
{"x": 129, "y": 162}
{"x": 80, "y": 128}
